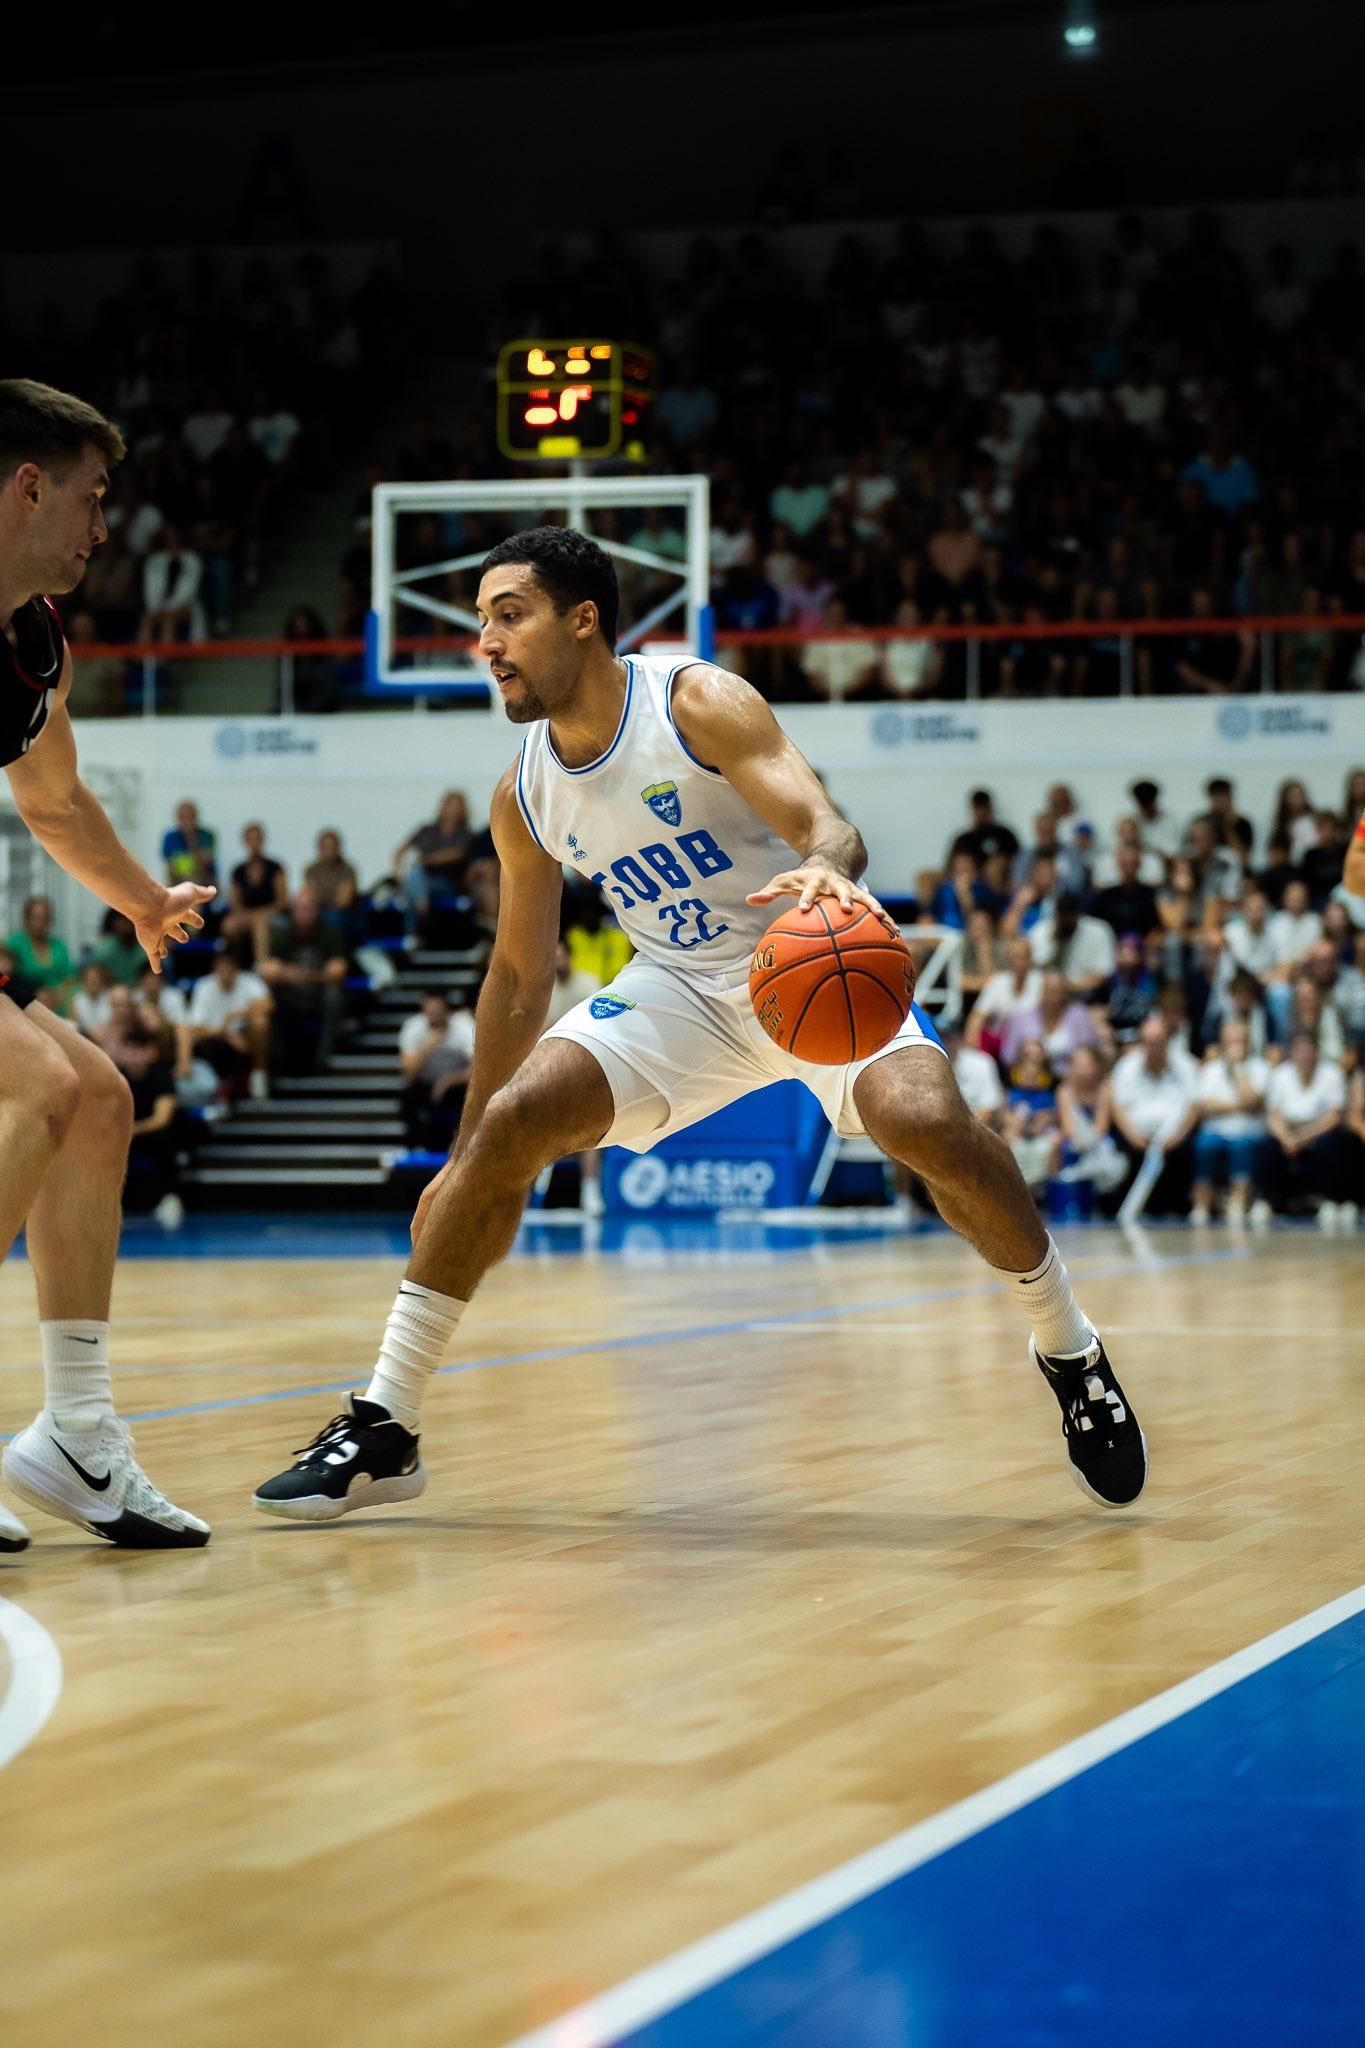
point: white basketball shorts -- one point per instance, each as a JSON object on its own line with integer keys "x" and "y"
{"x": 675, "y": 1048}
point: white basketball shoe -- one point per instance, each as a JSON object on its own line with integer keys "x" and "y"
{"x": 92, "y": 1478}
{"x": 13, "y": 1534}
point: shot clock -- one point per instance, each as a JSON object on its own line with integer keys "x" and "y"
{"x": 561, "y": 401}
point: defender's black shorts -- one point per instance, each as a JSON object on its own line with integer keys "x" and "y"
{"x": 18, "y": 991}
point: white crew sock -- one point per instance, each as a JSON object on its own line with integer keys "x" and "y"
{"x": 76, "y": 1373}
{"x": 420, "y": 1326}
{"x": 1047, "y": 1300}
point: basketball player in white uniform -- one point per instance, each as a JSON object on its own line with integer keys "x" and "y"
{"x": 65, "y": 1110}
{"x": 671, "y": 787}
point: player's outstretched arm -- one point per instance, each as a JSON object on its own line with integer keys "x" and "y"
{"x": 67, "y": 821}
{"x": 726, "y": 723}
{"x": 515, "y": 998}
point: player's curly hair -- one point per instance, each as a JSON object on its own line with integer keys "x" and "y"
{"x": 569, "y": 566}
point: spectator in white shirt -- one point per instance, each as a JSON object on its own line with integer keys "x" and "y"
{"x": 1018, "y": 986}
{"x": 1024, "y": 403}
{"x": 865, "y": 492}
{"x": 1151, "y": 868}
{"x": 228, "y": 1026}
{"x": 978, "y": 1077}
{"x": 1078, "y": 399}
{"x": 90, "y": 1006}
{"x": 1002, "y": 444}
{"x": 171, "y": 577}
{"x": 435, "y": 1054}
{"x": 274, "y": 431}
{"x": 1159, "y": 830}
{"x": 1221, "y": 869}
{"x": 1153, "y": 1100}
{"x": 1230, "y": 1090}
{"x": 1313, "y": 1008}
{"x": 1305, "y": 1109}
{"x": 1250, "y": 939}
{"x": 837, "y": 668}
{"x": 208, "y": 428}
{"x": 1295, "y": 929}
{"x": 1140, "y": 398}
{"x": 1079, "y": 947}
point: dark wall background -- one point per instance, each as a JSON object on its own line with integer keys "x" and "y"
{"x": 966, "y": 109}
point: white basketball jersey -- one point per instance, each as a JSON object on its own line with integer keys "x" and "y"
{"x": 673, "y": 848}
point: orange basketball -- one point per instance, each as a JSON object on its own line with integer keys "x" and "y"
{"x": 831, "y": 985}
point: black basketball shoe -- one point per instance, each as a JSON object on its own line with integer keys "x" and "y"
{"x": 361, "y": 1459}
{"x": 1107, "y": 1449}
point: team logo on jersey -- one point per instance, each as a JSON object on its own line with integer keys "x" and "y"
{"x": 603, "y": 1007}
{"x": 663, "y": 799}
{"x": 578, "y": 852}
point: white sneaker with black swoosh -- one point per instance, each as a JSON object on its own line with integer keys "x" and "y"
{"x": 92, "y": 1478}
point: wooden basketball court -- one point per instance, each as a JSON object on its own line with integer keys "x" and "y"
{"x": 738, "y": 1557}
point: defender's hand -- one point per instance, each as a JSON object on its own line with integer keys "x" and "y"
{"x": 811, "y": 882}
{"x": 173, "y": 920}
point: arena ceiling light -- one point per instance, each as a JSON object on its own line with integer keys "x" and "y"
{"x": 1080, "y": 31}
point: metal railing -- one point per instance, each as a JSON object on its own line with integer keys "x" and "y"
{"x": 149, "y": 660}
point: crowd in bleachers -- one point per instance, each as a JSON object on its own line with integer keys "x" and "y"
{"x": 1181, "y": 1000}
{"x": 284, "y": 967}
{"x": 947, "y": 435}
{"x": 1181, "y": 994}
{"x": 229, "y": 384}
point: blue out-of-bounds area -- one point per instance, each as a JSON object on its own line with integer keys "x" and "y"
{"x": 1203, "y": 1885}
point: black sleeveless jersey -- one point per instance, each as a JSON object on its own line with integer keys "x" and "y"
{"x": 30, "y": 670}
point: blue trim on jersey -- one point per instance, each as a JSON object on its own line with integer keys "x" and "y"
{"x": 926, "y": 1025}
{"x": 524, "y": 806}
{"x": 697, "y": 762}
{"x": 602, "y": 759}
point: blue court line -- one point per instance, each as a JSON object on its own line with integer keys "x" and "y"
{"x": 692, "y": 1334}
{"x": 1191, "y": 1873}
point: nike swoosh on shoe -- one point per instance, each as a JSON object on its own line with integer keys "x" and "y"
{"x": 96, "y": 1485}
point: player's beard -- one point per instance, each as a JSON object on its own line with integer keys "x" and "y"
{"x": 527, "y": 708}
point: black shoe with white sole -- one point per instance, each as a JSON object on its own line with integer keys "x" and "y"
{"x": 1107, "y": 1449}
{"x": 361, "y": 1459}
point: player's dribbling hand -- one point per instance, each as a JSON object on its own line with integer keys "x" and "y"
{"x": 173, "y": 921}
{"x": 811, "y": 882}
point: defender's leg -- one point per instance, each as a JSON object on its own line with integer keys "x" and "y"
{"x": 39, "y": 1096}
{"x": 76, "y": 1459}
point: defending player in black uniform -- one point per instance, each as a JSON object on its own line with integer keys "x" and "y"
{"x": 65, "y": 1110}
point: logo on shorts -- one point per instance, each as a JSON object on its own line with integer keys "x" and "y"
{"x": 609, "y": 1006}
{"x": 663, "y": 799}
